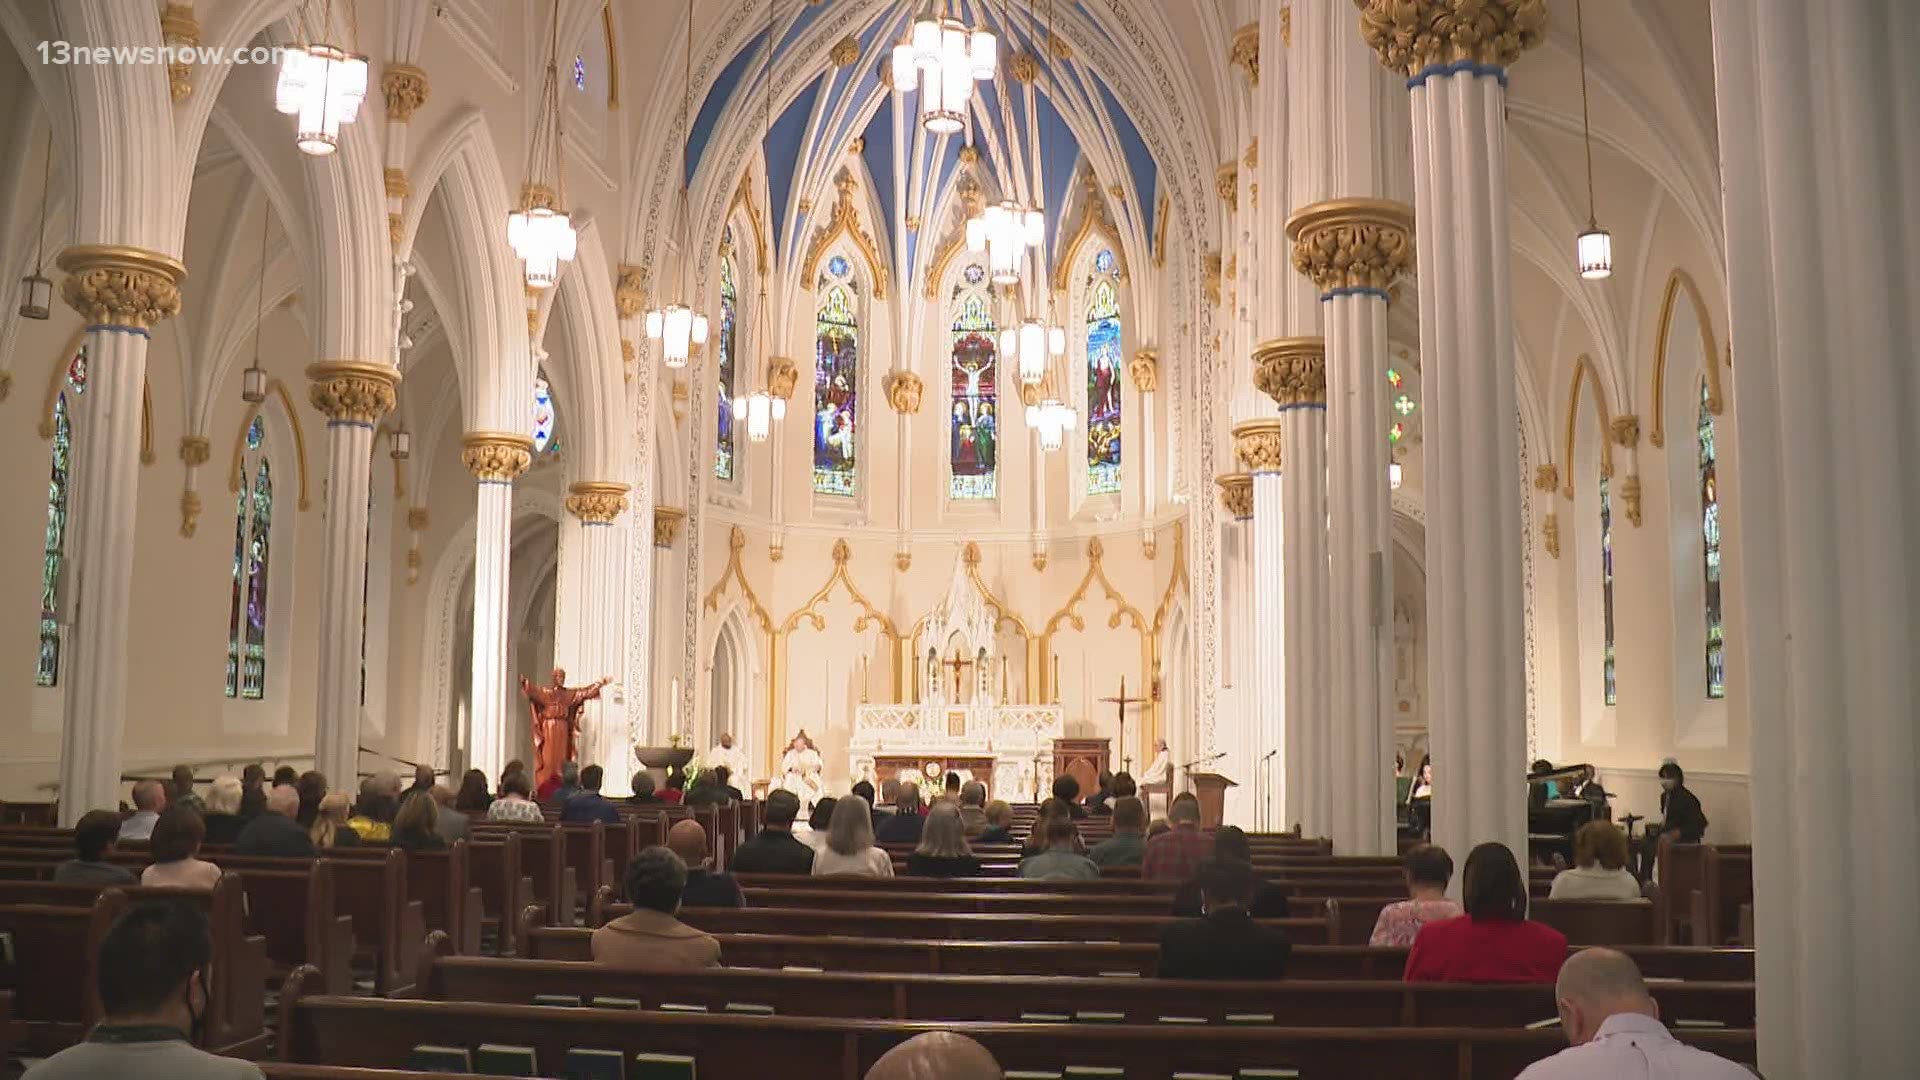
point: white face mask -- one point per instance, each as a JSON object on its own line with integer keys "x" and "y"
{"x": 1668, "y": 783}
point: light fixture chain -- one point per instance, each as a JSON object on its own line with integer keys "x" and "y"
{"x": 1586, "y": 127}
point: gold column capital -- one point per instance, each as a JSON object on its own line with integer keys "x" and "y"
{"x": 1145, "y": 370}
{"x": 1236, "y": 494}
{"x": 352, "y": 391}
{"x": 1410, "y": 36}
{"x": 117, "y": 285}
{"x": 1352, "y": 243}
{"x": 1244, "y": 53}
{"x": 1258, "y": 444}
{"x": 195, "y": 449}
{"x": 904, "y": 389}
{"x": 596, "y": 502}
{"x": 1626, "y": 431}
{"x": 1292, "y": 371}
{"x": 406, "y": 89}
{"x": 666, "y": 527}
{"x": 496, "y": 456}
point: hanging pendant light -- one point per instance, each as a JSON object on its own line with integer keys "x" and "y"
{"x": 36, "y": 292}
{"x": 402, "y": 443}
{"x": 1006, "y": 231}
{"x": 321, "y": 86}
{"x": 676, "y": 326}
{"x": 1593, "y": 251}
{"x": 253, "y": 381}
{"x": 759, "y": 409}
{"x": 1035, "y": 343}
{"x": 940, "y": 60}
{"x": 541, "y": 231}
{"x": 1031, "y": 344}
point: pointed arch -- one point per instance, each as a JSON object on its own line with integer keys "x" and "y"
{"x": 1586, "y": 379}
{"x": 1678, "y": 282}
{"x": 973, "y": 384}
{"x": 837, "y": 396}
{"x": 236, "y": 472}
{"x": 57, "y": 373}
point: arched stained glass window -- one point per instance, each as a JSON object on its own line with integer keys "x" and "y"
{"x": 1606, "y": 587}
{"x": 1710, "y": 535}
{"x": 543, "y": 414}
{"x": 1103, "y": 380}
{"x": 729, "y": 343}
{"x": 252, "y": 559}
{"x": 974, "y": 428}
{"x": 836, "y": 388}
{"x": 47, "y": 670}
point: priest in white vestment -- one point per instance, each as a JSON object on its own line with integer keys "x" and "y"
{"x": 800, "y": 768}
{"x": 734, "y": 758}
{"x": 1154, "y": 783}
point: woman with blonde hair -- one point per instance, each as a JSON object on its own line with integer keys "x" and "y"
{"x": 849, "y": 851}
{"x": 943, "y": 850}
{"x": 1599, "y": 866}
{"x": 330, "y": 822}
{"x": 223, "y": 818}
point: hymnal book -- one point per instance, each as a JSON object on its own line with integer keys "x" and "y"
{"x": 1541, "y": 1025}
{"x": 1045, "y": 1018}
{"x": 589, "y": 1063}
{"x": 496, "y": 1059}
{"x": 615, "y": 1002}
{"x": 1095, "y": 1072}
{"x": 440, "y": 1059}
{"x": 677, "y": 1007}
{"x": 1031, "y": 1074}
{"x": 662, "y": 1067}
{"x": 565, "y": 1001}
{"x": 1092, "y": 1016}
{"x": 748, "y": 1008}
{"x": 1200, "y": 1076}
{"x": 1249, "y": 1018}
{"x": 1269, "y": 1074}
{"x": 1183, "y": 1020}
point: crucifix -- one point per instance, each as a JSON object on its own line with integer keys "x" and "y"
{"x": 1120, "y": 704}
{"x": 959, "y": 664}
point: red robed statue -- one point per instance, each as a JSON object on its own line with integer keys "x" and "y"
{"x": 556, "y": 721}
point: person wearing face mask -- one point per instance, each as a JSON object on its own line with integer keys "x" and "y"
{"x": 1681, "y": 819}
{"x": 152, "y": 978}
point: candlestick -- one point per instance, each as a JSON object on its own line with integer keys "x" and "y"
{"x": 1056, "y": 678}
{"x": 673, "y": 707}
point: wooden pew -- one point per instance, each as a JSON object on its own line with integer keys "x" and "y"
{"x": 55, "y": 947}
{"x": 236, "y": 1018}
{"x": 1079, "y": 957}
{"x": 493, "y": 865}
{"x": 1008, "y": 998}
{"x": 329, "y": 1030}
{"x": 294, "y": 910}
{"x": 973, "y": 927}
{"x": 1726, "y": 885}
{"x": 1599, "y": 922}
{"x": 370, "y": 886}
{"x": 441, "y": 882}
{"x": 543, "y": 861}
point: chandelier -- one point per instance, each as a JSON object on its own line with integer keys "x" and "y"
{"x": 1593, "y": 250}
{"x": 322, "y": 86}
{"x": 1006, "y": 231}
{"x": 1007, "y": 235}
{"x": 1030, "y": 344}
{"x": 676, "y": 326}
{"x": 941, "y": 58}
{"x": 541, "y": 231}
{"x": 1053, "y": 418}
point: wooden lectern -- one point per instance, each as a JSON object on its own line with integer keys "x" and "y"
{"x": 1211, "y": 789}
{"x": 1082, "y": 759}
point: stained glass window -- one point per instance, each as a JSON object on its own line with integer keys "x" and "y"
{"x": 1401, "y": 399}
{"x": 1103, "y": 385}
{"x": 47, "y": 671}
{"x": 1606, "y": 585}
{"x": 579, "y": 73}
{"x": 543, "y": 414}
{"x": 974, "y": 429}
{"x": 729, "y": 325}
{"x": 252, "y": 559}
{"x": 1710, "y": 536}
{"x": 836, "y": 388}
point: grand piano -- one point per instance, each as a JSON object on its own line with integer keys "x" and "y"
{"x": 1559, "y": 801}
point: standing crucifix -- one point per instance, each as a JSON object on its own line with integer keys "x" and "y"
{"x": 958, "y": 664}
{"x": 1120, "y": 704}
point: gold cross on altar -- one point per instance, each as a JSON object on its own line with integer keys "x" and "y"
{"x": 959, "y": 664}
{"x": 1120, "y": 704}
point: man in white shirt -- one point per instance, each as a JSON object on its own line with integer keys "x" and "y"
{"x": 149, "y": 798}
{"x": 734, "y": 759}
{"x": 1615, "y": 1029}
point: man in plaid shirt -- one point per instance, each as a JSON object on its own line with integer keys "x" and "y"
{"x": 1176, "y": 855}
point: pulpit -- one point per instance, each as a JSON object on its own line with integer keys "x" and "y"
{"x": 1082, "y": 759}
{"x": 1211, "y": 789}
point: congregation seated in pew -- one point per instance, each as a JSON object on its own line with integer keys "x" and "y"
{"x": 849, "y": 850}
{"x": 1128, "y": 844}
{"x": 1060, "y": 859}
{"x": 151, "y": 975}
{"x": 329, "y": 828}
{"x": 704, "y": 887}
{"x": 515, "y": 802}
{"x": 93, "y": 839}
{"x": 650, "y": 938}
{"x": 1599, "y": 870}
{"x": 1428, "y": 871}
{"x": 589, "y": 805}
{"x": 1176, "y": 854}
{"x": 374, "y": 811}
{"x": 176, "y": 840}
{"x": 1225, "y": 942}
{"x": 1266, "y": 900}
{"x": 904, "y": 825}
{"x": 973, "y": 808}
{"x": 275, "y": 832}
{"x": 774, "y": 850}
{"x": 416, "y": 825}
{"x": 149, "y": 798}
{"x": 943, "y": 849}
{"x": 936, "y": 1055}
{"x": 1614, "y": 1029}
{"x": 999, "y": 830}
{"x": 222, "y": 817}
{"x": 1494, "y": 941}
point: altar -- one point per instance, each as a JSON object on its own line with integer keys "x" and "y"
{"x": 963, "y": 722}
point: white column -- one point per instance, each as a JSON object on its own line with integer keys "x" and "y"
{"x": 353, "y": 395}
{"x": 1819, "y": 163}
{"x": 668, "y": 593}
{"x": 1257, "y": 443}
{"x": 495, "y": 459}
{"x": 1475, "y": 607}
{"x": 1236, "y": 742}
{"x": 1293, "y": 372}
{"x": 120, "y": 292}
{"x": 597, "y": 609}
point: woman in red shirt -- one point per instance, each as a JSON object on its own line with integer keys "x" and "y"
{"x": 1493, "y": 942}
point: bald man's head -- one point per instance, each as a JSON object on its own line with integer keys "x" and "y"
{"x": 1595, "y": 984}
{"x": 688, "y": 839}
{"x": 937, "y": 1055}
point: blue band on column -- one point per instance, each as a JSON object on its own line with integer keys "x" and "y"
{"x": 1458, "y": 67}
{"x": 349, "y": 423}
{"x": 115, "y": 328}
{"x": 602, "y": 524}
{"x": 500, "y": 483}
{"x": 1319, "y": 405}
{"x": 1354, "y": 290}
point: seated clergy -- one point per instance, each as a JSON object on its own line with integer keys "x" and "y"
{"x": 704, "y": 888}
{"x": 1494, "y": 941}
{"x": 1225, "y": 942}
{"x": 773, "y": 850}
{"x": 1614, "y": 1028}
{"x": 651, "y": 939}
